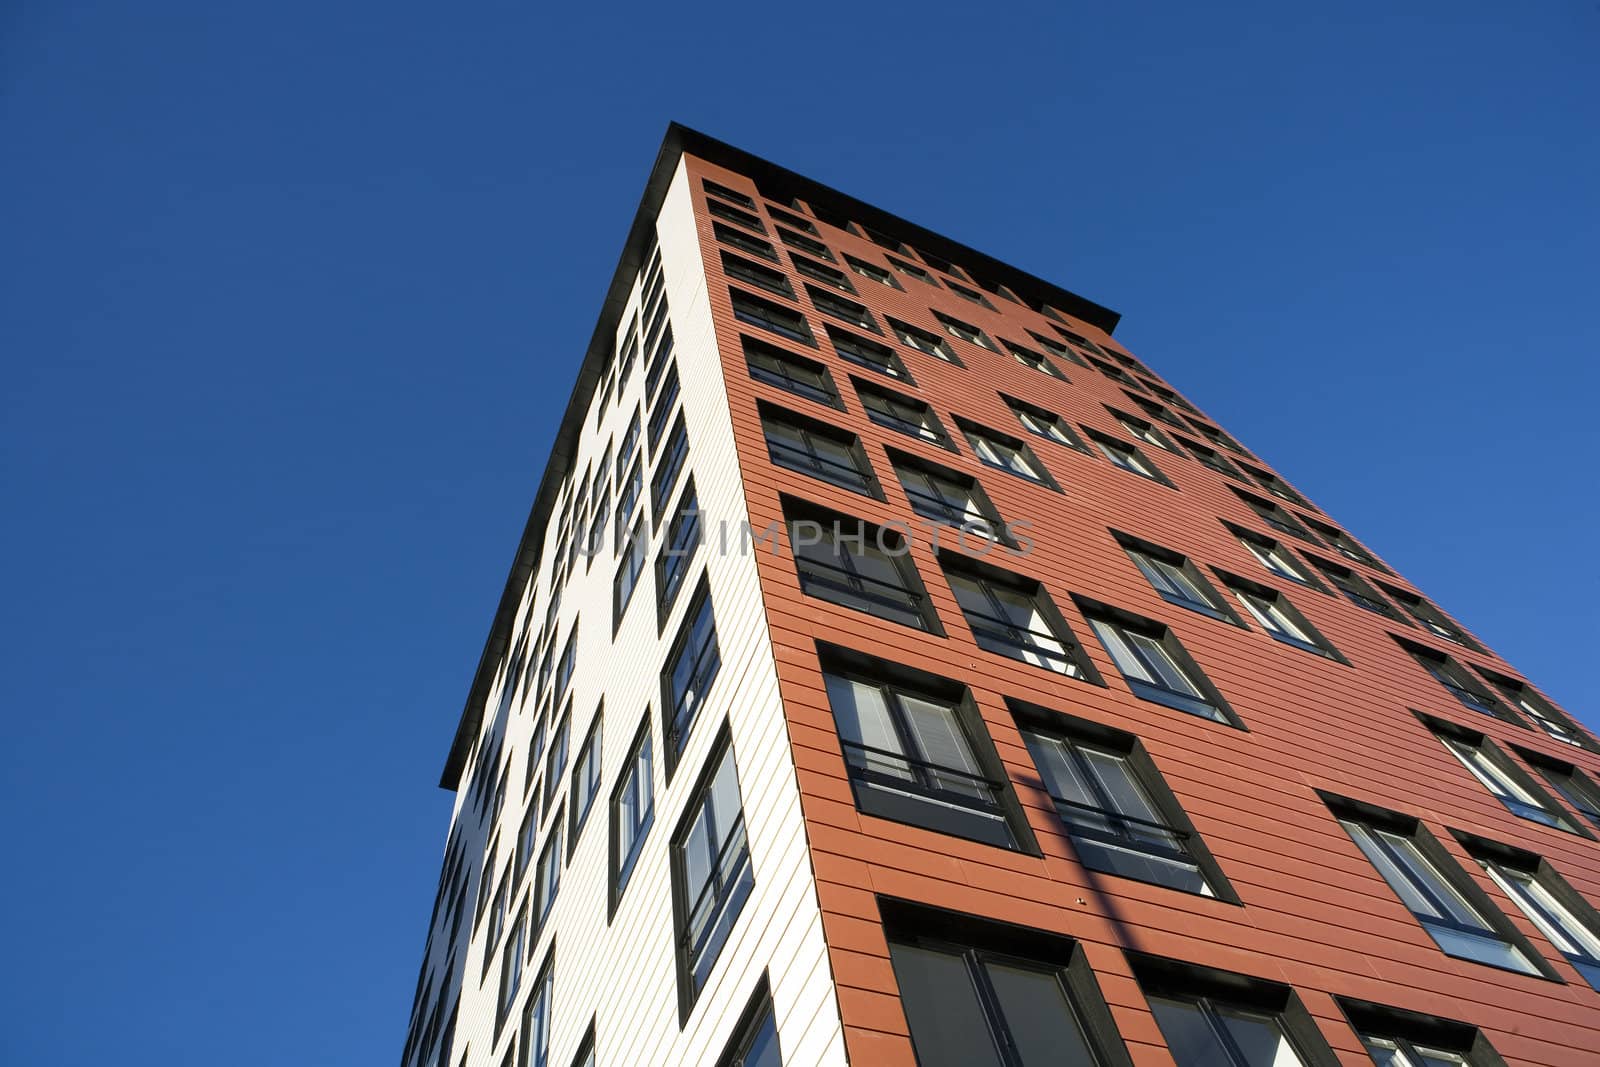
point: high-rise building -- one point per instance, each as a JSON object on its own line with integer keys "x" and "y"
{"x": 895, "y": 669}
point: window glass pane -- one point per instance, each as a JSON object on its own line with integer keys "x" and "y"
{"x": 948, "y": 1027}
{"x": 1160, "y": 664}
{"x": 936, "y": 732}
{"x": 1189, "y": 1035}
{"x": 1039, "y": 1017}
{"x": 1126, "y": 661}
{"x": 1259, "y": 1037}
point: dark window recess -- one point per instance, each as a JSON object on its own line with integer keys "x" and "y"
{"x": 677, "y": 551}
{"x": 628, "y": 572}
{"x": 868, "y": 353}
{"x": 1574, "y": 785}
{"x": 1007, "y": 453}
{"x": 797, "y": 374}
{"x": 1429, "y": 617}
{"x": 1056, "y": 348}
{"x": 1014, "y": 616}
{"x": 1274, "y": 557}
{"x": 1155, "y": 664}
{"x": 822, "y": 272}
{"x": 1274, "y": 516}
{"x": 1276, "y": 486}
{"x": 691, "y": 668}
{"x": 783, "y": 321}
{"x": 735, "y": 216}
{"x": 930, "y": 344}
{"x": 1274, "y": 613}
{"x": 1561, "y": 914}
{"x": 755, "y": 1039}
{"x": 1216, "y": 436}
{"x": 971, "y": 295}
{"x": 718, "y": 190}
{"x": 984, "y": 994}
{"x": 1356, "y": 588}
{"x": 1174, "y": 577}
{"x": 911, "y": 269}
{"x": 940, "y": 263}
{"x": 1505, "y": 781}
{"x": 1034, "y": 360}
{"x": 1114, "y": 372}
{"x": 585, "y": 780}
{"x": 1346, "y": 545}
{"x": 809, "y": 245}
{"x": 743, "y": 241}
{"x": 1154, "y": 410}
{"x": 1210, "y": 457}
{"x": 1545, "y": 715}
{"x": 840, "y": 308}
{"x": 866, "y": 568}
{"x": 965, "y": 331}
{"x": 1076, "y": 339}
{"x": 747, "y": 270}
{"x": 1129, "y": 458}
{"x": 674, "y": 454}
{"x": 793, "y": 221}
{"x": 1459, "y": 916}
{"x": 948, "y": 497}
{"x": 1118, "y": 812}
{"x": 882, "y": 240}
{"x": 1460, "y": 683}
{"x": 1046, "y": 424}
{"x": 663, "y": 406}
{"x": 1162, "y": 391}
{"x": 872, "y": 271}
{"x": 632, "y": 810}
{"x": 911, "y": 745}
{"x": 1213, "y": 1018}
{"x": 712, "y": 874}
{"x": 818, "y": 450}
{"x": 1142, "y": 431}
{"x": 1395, "y": 1038}
{"x": 901, "y": 413}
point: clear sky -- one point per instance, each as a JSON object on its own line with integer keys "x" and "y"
{"x": 291, "y": 296}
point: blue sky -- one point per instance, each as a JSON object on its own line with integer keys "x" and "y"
{"x": 292, "y": 296}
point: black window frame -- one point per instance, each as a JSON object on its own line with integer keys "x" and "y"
{"x": 1454, "y": 678}
{"x": 1207, "y": 988}
{"x": 975, "y": 432}
{"x": 744, "y": 242}
{"x": 866, "y": 352}
{"x": 676, "y": 723}
{"x": 936, "y": 510}
{"x": 620, "y": 867}
{"x": 721, "y": 191}
{"x": 822, "y": 272}
{"x": 1354, "y": 587}
{"x": 1317, "y": 644}
{"x": 959, "y": 328}
{"x": 934, "y": 434}
{"x": 752, "y": 273}
{"x": 1212, "y": 605}
{"x": 909, "y": 594}
{"x": 1543, "y": 712}
{"x": 1275, "y": 515}
{"x": 635, "y": 552}
{"x": 1538, "y": 869}
{"x": 1408, "y": 1029}
{"x": 757, "y": 1018}
{"x": 581, "y": 801}
{"x": 827, "y": 393}
{"x": 728, "y": 213}
{"x": 1109, "y": 445}
{"x": 937, "y": 347}
{"x": 1210, "y": 458}
{"x": 671, "y": 465}
{"x": 809, "y": 245}
{"x": 842, "y": 308}
{"x": 861, "y": 479}
{"x": 669, "y": 578}
{"x": 1059, "y": 350}
{"x": 995, "y": 634}
{"x": 1059, "y": 423}
{"x": 777, "y": 319}
{"x": 1555, "y": 816}
{"x": 1161, "y": 633}
{"x": 872, "y": 272}
{"x": 1573, "y": 783}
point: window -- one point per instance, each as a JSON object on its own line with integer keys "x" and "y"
{"x": 1573, "y": 784}
{"x": 526, "y": 836}
{"x": 743, "y": 241}
{"x": 1128, "y": 457}
{"x": 1395, "y": 1038}
{"x": 511, "y": 960}
{"x": 585, "y": 779}
{"x": 748, "y": 271}
{"x": 1174, "y": 577}
{"x": 971, "y": 295}
{"x": 1056, "y": 348}
{"x": 901, "y": 413}
{"x": 1355, "y": 588}
{"x": 691, "y": 668}
{"x": 1216, "y": 1019}
{"x": 725, "y": 193}
{"x": 1210, "y": 457}
{"x": 948, "y": 497}
{"x": 1566, "y": 920}
{"x": 497, "y": 917}
{"x": 1155, "y": 665}
{"x": 536, "y": 1019}
{"x": 873, "y": 271}
{"x": 1274, "y": 516}
{"x": 630, "y": 441}
{"x": 662, "y": 407}
{"x": 1152, "y": 410}
{"x": 882, "y": 240}
{"x": 844, "y": 561}
{"x": 547, "y": 875}
{"x": 1507, "y": 782}
{"x": 1276, "y": 615}
{"x": 668, "y": 468}
{"x": 1140, "y": 430}
{"x": 840, "y": 308}
{"x": 909, "y": 747}
{"x": 800, "y": 376}
{"x": 1216, "y": 436}
{"x": 805, "y": 244}
{"x": 735, "y": 216}
{"x": 628, "y": 572}
{"x": 632, "y": 810}
{"x": 628, "y": 499}
{"x": 755, "y": 1039}
{"x": 1118, "y": 812}
{"x": 1114, "y": 372}
{"x": 1013, "y": 616}
{"x": 909, "y": 268}
{"x": 793, "y": 221}
{"x": 783, "y": 321}
{"x": 1429, "y": 617}
{"x": 1544, "y": 714}
{"x": 822, "y": 272}
{"x": 1454, "y": 677}
{"x": 677, "y": 551}
{"x": 868, "y": 353}
{"x": 1450, "y": 907}
{"x": 567, "y": 664}
{"x": 1347, "y": 546}
{"x": 816, "y": 449}
{"x": 1046, "y": 424}
{"x": 1007, "y": 453}
{"x": 930, "y": 344}
{"x": 982, "y": 994}
{"x": 1075, "y": 339}
{"x": 1276, "y": 486}
{"x": 965, "y": 331}
{"x": 1034, "y": 360}
{"x": 712, "y": 874}
{"x": 560, "y": 742}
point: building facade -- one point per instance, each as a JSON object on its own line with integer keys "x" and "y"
{"x": 895, "y": 669}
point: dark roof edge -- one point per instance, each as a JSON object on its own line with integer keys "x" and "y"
{"x": 772, "y": 179}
